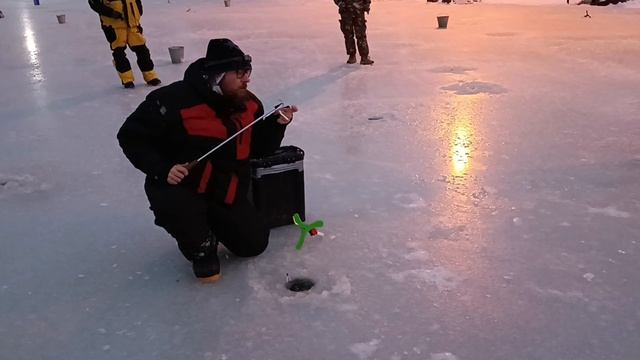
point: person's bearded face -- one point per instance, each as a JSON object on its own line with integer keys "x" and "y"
{"x": 235, "y": 83}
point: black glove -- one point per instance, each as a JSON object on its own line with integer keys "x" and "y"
{"x": 117, "y": 15}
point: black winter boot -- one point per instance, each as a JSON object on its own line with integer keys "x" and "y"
{"x": 129, "y": 85}
{"x": 206, "y": 265}
{"x": 366, "y": 61}
{"x": 154, "y": 82}
{"x": 352, "y": 59}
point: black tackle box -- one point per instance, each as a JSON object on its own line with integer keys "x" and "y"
{"x": 277, "y": 185}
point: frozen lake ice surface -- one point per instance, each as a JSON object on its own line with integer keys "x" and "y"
{"x": 489, "y": 212}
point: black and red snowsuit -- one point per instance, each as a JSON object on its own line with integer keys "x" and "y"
{"x": 179, "y": 123}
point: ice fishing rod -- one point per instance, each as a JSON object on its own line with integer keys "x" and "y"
{"x": 193, "y": 163}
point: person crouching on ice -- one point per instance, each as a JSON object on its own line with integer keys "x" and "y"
{"x": 178, "y": 123}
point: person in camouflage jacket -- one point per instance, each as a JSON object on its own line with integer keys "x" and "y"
{"x": 354, "y": 27}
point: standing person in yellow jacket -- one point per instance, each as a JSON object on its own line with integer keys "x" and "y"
{"x": 120, "y": 20}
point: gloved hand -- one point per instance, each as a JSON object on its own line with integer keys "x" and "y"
{"x": 117, "y": 15}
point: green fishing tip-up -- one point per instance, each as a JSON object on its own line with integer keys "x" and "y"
{"x": 306, "y": 229}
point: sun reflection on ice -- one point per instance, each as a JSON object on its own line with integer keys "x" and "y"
{"x": 32, "y": 49}
{"x": 461, "y": 150}
{"x": 462, "y": 134}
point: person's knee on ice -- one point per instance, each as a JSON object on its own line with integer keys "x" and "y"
{"x": 179, "y": 123}
{"x": 254, "y": 246}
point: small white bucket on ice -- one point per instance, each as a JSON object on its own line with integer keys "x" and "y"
{"x": 176, "y": 53}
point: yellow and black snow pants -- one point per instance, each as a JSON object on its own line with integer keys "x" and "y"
{"x": 119, "y": 38}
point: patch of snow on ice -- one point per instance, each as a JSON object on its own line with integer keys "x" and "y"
{"x": 474, "y": 88}
{"x": 460, "y": 70}
{"x": 443, "y": 356}
{"x": 365, "y": 350}
{"x": 610, "y": 211}
{"x": 409, "y": 201}
{"x": 418, "y": 255}
{"x": 440, "y": 277}
{"x": 19, "y": 184}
